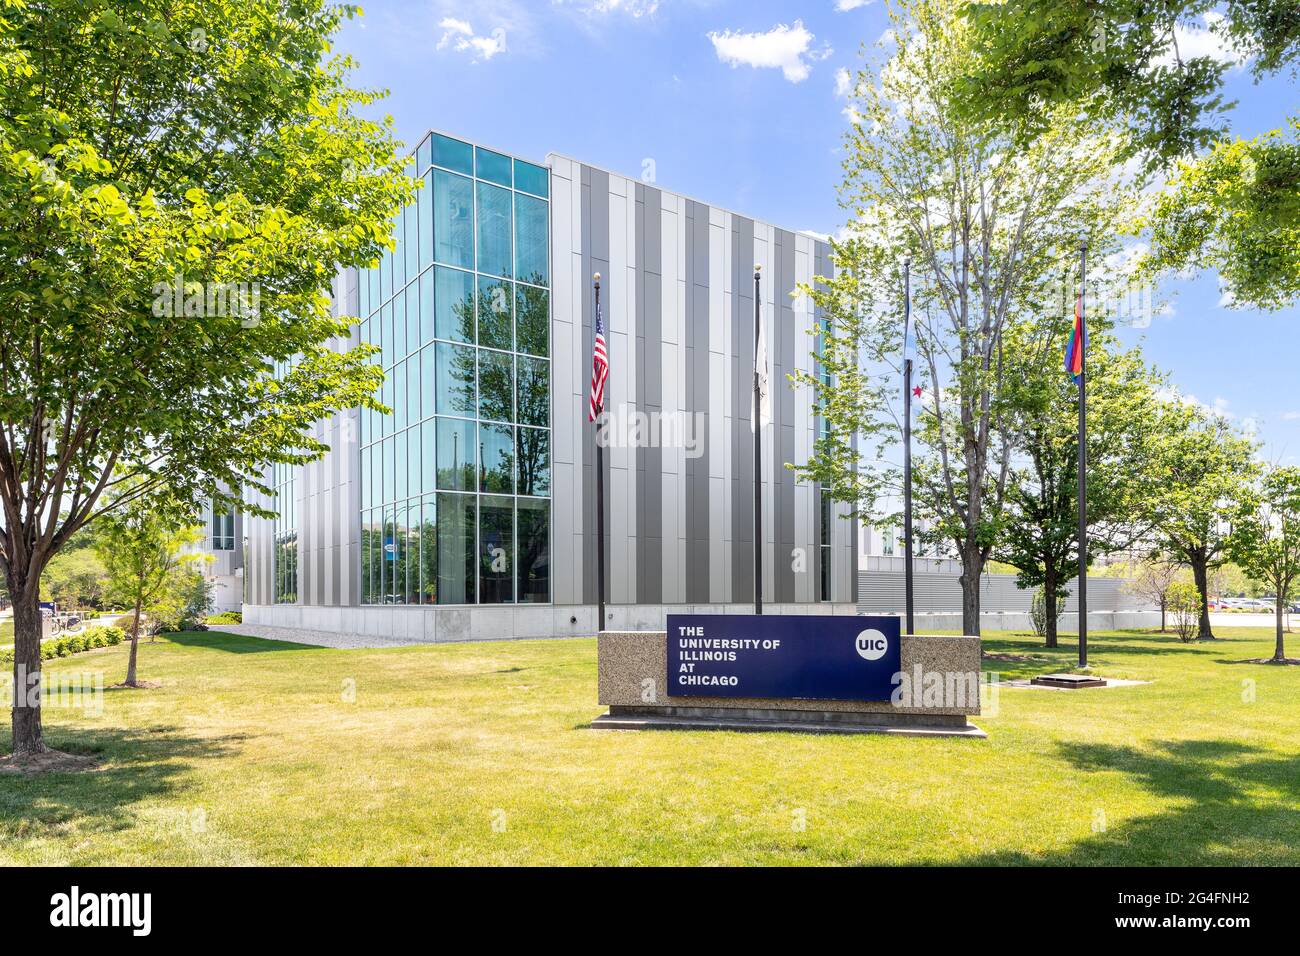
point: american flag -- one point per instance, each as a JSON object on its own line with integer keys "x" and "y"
{"x": 599, "y": 367}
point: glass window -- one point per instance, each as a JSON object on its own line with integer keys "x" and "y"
{"x": 455, "y": 380}
{"x": 533, "y": 461}
{"x": 415, "y": 463}
{"x": 453, "y": 223}
{"x": 452, "y": 154}
{"x": 457, "y": 521}
{"x": 532, "y": 179}
{"x": 429, "y": 550}
{"x": 411, "y": 552}
{"x": 493, "y": 167}
{"x": 455, "y": 305}
{"x": 495, "y": 314}
{"x": 399, "y": 249}
{"x": 457, "y": 455}
{"x": 399, "y": 397}
{"x": 423, "y": 156}
{"x": 428, "y": 394}
{"x": 532, "y": 247}
{"x": 534, "y": 551}
{"x": 496, "y": 386}
{"x": 493, "y": 230}
{"x": 363, "y": 295}
{"x": 496, "y": 459}
{"x": 367, "y": 558}
{"x": 426, "y": 307}
{"x": 534, "y": 392}
{"x": 424, "y": 202}
{"x": 532, "y": 320}
{"x": 399, "y": 460}
{"x": 496, "y": 551}
{"x": 223, "y": 527}
{"x": 413, "y": 239}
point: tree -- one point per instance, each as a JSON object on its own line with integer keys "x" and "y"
{"x": 179, "y": 184}
{"x": 143, "y": 547}
{"x": 1151, "y": 581}
{"x": 1265, "y": 538}
{"x": 183, "y": 601}
{"x": 1121, "y": 60}
{"x": 987, "y": 228}
{"x": 1125, "y": 424}
{"x": 1231, "y": 205}
{"x": 1205, "y": 470}
{"x": 75, "y": 578}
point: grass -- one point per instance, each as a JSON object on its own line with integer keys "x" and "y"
{"x": 258, "y": 752}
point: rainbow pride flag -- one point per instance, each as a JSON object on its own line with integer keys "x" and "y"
{"x": 1078, "y": 342}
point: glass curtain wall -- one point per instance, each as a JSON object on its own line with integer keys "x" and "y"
{"x": 456, "y": 480}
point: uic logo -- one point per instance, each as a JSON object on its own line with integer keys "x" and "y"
{"x": 871, "y": 645}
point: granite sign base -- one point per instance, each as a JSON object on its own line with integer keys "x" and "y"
{"x": 944, "y": 669}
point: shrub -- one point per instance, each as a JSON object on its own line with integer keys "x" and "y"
{"x": 227, "y": 617}
{"x": 1185, "y": 608}
{"x": 1038, "y": 611}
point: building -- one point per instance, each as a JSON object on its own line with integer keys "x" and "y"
{"x": 468, "y": 512}
{"x": 221, "y": 543}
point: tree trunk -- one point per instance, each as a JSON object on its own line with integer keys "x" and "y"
{"x": 1201, "y": 572}
{"x": 26, "y": 715}
{"x": 1164, "y": 603}
{"x": 1049, "y": 605}
{"x": 970, "y": 593}
{"x": 135, "y": 643}
{"x": 1280, "y": 653}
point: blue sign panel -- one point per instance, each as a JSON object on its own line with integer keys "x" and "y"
{"x": 799, "y": 656}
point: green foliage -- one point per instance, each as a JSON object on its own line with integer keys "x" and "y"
{"x": 1184, "y": 604}
{"x": 1235, "y": 210}
{"x": 1265, "y": 539}
{"x": 1043, "y": 622}
{"x": 75, "y": 578}
{"x": 991, "y": 228}
{"x": 1127, "y": 425}
{"x": 1116, "y": 61}
{"x": 227, "y": 617}
{"x": 92, "y": 638}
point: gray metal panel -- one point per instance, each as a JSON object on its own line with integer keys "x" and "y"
{"x": 782, "y": 348}
{"x": 697, "y": 396}
{"x": 742, "y": 438}
{"x": 649, "y": 380}
{"x": 595, "y": 258}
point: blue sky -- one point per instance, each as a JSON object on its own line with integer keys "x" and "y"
{"x": 737, "y": 104}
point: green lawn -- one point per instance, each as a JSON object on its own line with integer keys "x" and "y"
{"x": 251, "y": 752}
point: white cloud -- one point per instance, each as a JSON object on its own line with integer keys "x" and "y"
{"x": 459, "y": 35}
{"x": 788, "y": 48}
{"x": 1291, "y": 416}
{"x": 633, "y": 8}
{"x": 843, "y": 81}
{"x": 845, "y": 5}
{"x": 1195, "y": 42}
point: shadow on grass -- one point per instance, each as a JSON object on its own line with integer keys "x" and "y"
{"x": 136, "y": 765}
{"x": 236, "y": 643}
{"x": 1236, "y": 805}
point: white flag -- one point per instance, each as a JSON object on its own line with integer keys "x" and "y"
{"x": 764, "y": 415}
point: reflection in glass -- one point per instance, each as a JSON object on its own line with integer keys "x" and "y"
{"x": 534, "y": 391}
{"x": 429, "y": 551}
{"x": 533, "y": 460}
{"x": 496, "y": 551}
{"x": 457, "y": 455}
{"x": 452, "y": 153}
{"x": 494, "y": 230}
{"x": 496, "y": 459}
{"x": 453, "y": 223}
{"x": 493, "y": 166}
{"x": 456, "y": 528}
{"x": 496, "y": 386}
{"x": 455, "y": 304}
{"x": 532, "y": 320}
{"x": 532, "y": 245}
{"x": 534, "y": 551}
{"x": 455, "y": 379}
{"x": 495, "y": 318}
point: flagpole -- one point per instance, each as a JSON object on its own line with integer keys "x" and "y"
{"x": 600, "y": 505}
{"x": 1083, "y": 457}
{"x": 907, "y": 450}
{"x": 758, "y": 449}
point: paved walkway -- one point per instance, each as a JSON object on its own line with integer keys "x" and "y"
{"x": 294, "y": 635}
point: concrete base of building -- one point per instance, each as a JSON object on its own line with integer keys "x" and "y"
{"x": 1019, "y": 621}
{"x": 793, "y": 721}
{"x": 495, "y": 622}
